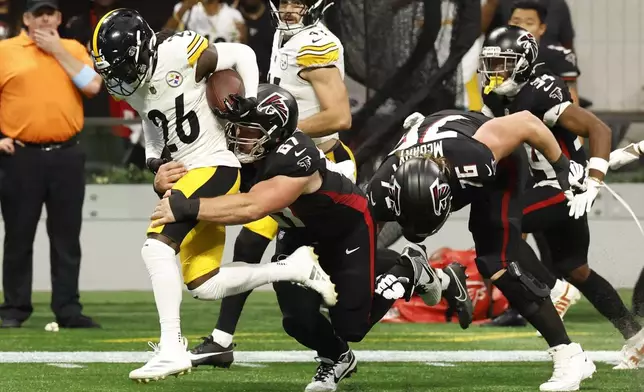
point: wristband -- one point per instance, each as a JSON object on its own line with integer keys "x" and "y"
{"x": 84, "y": 77}
{"x": 598, "y": 164}
{"x": 562, "y": 164}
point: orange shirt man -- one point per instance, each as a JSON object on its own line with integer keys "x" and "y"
{"x": 41, "y": 112}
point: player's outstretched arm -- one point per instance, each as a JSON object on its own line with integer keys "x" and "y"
{"x": 222, "y": 56}
{"x": 505, "y": 134}
{"x": 335, "y": 111}
{"x": 264, "y": 198}
{"x": 585, "y": 124}
{"x": 625, "y": 155}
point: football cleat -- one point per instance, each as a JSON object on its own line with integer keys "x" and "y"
{"x": 329, "y": 373}
{"x": 457, "y": 295}
{"x": 571, "y": 367}
{"x": 632, "y": 353}
{"x": 312, "y": 275}
{"x": 164, "y": 363}
{"x": 211, "y": 353}
{"x": 426, "y": 282}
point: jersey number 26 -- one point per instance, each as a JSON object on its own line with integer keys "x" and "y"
{"x": 160, "y": 120}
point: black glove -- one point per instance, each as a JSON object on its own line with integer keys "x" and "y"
{"x": 238, "y": 109}
{"x": 155, "y": 163}
{"x": 183, "y": 209}
{"x": 562, "y": 169}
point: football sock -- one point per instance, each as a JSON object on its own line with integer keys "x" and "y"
{"x": 547, "y": 321}
{"x": 161, "y": 262}
{"x": 605, "y": 299}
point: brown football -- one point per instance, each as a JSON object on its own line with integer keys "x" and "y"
{"x": 220, "y": 85}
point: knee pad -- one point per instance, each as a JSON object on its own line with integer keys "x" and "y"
{"x": 250, "y": 247}
{"x": 523, "y": 291}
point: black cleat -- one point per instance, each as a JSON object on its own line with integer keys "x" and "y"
{"x": 457, "y": 295}
{"x": 509, "y": 318}
{"x": 10, "y": 323}
{"x": 211, "y": 353}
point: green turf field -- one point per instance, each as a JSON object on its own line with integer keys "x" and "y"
{"x": 84, "y": 360}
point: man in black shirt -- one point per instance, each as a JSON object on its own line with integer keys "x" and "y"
{"x": 260, "y": 33}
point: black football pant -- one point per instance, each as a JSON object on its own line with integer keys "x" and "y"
{"x": 33, "y": 177}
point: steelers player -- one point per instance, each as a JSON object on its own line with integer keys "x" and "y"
{"x": 165, "y": 81}
{"x": 307, "y": 61}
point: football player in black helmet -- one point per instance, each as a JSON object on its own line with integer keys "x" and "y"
{"x": 452, "y": 159}
{"x": 314, "y": 205}
{"x": 563, "y": 223}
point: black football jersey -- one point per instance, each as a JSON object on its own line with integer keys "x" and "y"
{"x": 448, "y": 134}
{"x": 323, "y": 213}
{"x": 546, "y": 96}
{"x": 558, "y": 61}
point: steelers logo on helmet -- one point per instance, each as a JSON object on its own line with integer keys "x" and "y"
{"x": 507, "y": 59}
{"x": 292, "y": 16}
{"x": 274, "y": 121}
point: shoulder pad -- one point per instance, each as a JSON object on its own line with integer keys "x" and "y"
{"x": 317, "y": 48}
{"x": 296, "y": 157}
{"x": 193, "y": 44}
{"x": 548, "y": 98}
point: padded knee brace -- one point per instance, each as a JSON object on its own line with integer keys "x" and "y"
{"x": 523, "y": 291}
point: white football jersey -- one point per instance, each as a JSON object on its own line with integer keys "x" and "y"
{"x": 220, "y": 27}
{"x": 313, "y": 47}
{"x": 176, "y": 104}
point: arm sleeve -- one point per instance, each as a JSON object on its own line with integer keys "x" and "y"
{"x": 242, "y": 58}
{"x": 153, "y": 140}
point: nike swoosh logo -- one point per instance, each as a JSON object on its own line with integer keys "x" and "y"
{"x": 373, "y": 203}
{"x": 462, "y": 295}
{"x": 200, "y": 356}
{"x": 351, "y": 251}
{"x": 297, "y": 154}
{"x": 317, "y": 40}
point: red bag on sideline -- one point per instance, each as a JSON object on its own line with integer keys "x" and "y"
{"x": 486, "y": 305}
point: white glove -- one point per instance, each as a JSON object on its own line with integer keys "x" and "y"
{"x": 626, "y": 155}
{"x": 577, "y": 176}
{"x": 390, "y": 286}
{"x": 412, "y": 120}
{"x": 582, "y": 203}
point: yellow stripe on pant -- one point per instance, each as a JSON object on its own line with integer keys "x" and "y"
{"x": 201, "y": 244}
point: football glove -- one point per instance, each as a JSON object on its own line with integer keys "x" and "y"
{"x": 583, "y": 202}
{"x": 238, "y": 109}
{"x": 626, "y": 155}
{"x": 391, "y": 287}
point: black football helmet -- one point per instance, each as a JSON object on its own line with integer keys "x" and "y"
{"x": 311, "y": 13}
{"x": 421, "y": 197}
{"x": 507, "y": 59}
{"x": 124, "y": 50}
{"x": 272, "y": 122}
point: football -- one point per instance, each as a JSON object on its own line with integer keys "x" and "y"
{"x": 220, "y": 85}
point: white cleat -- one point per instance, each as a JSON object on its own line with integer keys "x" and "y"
{"x": 313, "y": 276}
{"x": 329, "y": 374}
{"x": 632, "y": 353}
{"x": 563, "y": 296}
{"x": 571, "y": 367}
{"x": 164, "y": 363}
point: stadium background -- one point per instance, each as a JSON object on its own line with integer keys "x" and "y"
{"x": 393, "y": 64}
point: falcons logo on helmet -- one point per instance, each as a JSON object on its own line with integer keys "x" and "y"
{"x": 441, "y": 193}
{"x": 275, "y": 104}
{"x": 529, "y": 45}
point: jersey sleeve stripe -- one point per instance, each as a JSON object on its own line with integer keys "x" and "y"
{"x": 314, "y": 48}
{"x": 312, "y": 60}
{"x": 194, "y": 42}
{"x": 196, "y": 53}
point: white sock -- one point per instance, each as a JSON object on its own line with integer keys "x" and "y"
{"x": 238, "y": 277}
{"x": 558, "y": 289}
{"x": 443, "y": 277}
{"x": 161, "y": 261}
{"x": 224, "y": 339}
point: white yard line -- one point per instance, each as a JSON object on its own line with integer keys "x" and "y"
{"x": 302, "y": 356}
